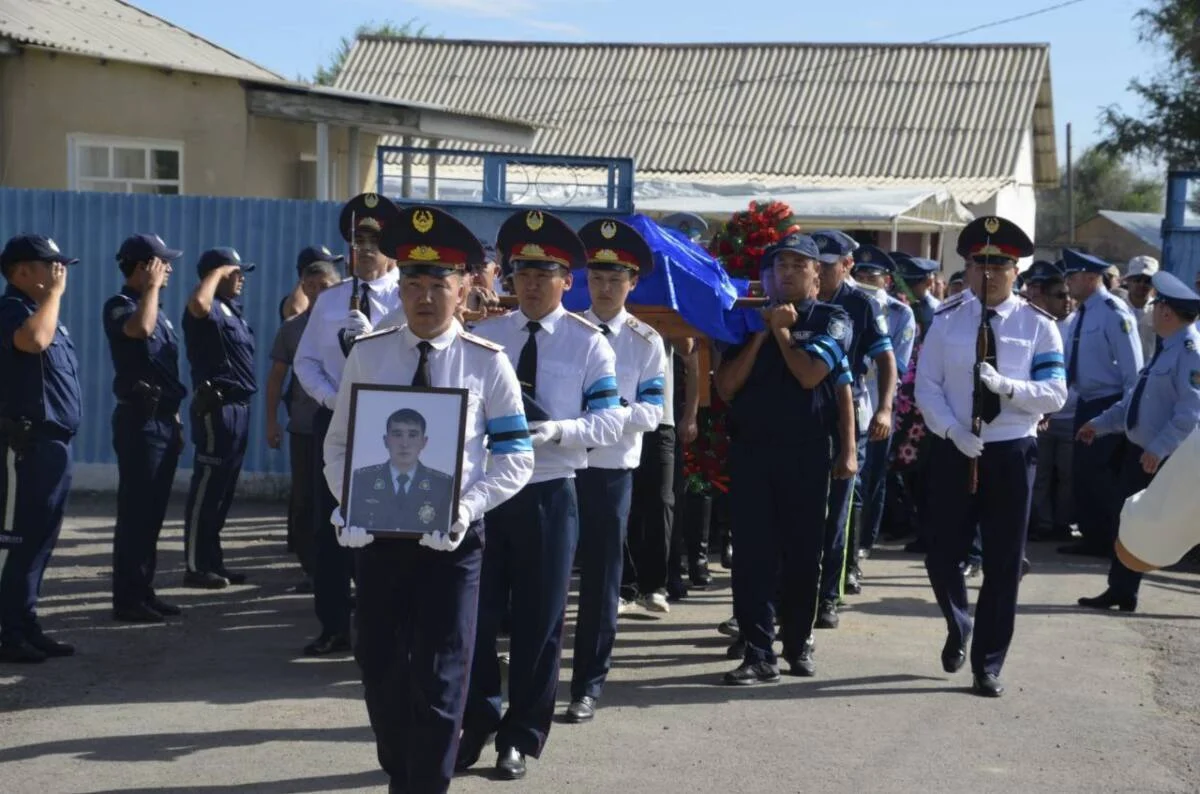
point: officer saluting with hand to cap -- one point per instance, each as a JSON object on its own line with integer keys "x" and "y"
{"x": 39, "y": 414}
{"x": 418, "y": 599}
{"x": 147, "y": 432}
{"x": 220, "y": 351}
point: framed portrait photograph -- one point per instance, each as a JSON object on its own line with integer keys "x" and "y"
{"x": 404, "y": 452}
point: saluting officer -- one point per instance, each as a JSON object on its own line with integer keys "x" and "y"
{"x": 220, "y": 351}
{"x": 418, "y": 599}
{"x": 40, "y": 407}
{"x": 788, "y": 388}
{"x": 147, "y": 430}
{"x": 869, "y": 342}
{"x": 617, "y": 257}
{"x": 1021, "y": 378}
{"x": 1156, "y": 417}
{"x": 340, "y": 314}
{"x": 872, "y": 268}
{"x": 565, "y": 367}
{"x": 1104, "y": 355}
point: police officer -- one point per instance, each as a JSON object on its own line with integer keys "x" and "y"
{"x": 956, "y": 283}
{"x": 1104, "y": 356}
{"x": 340, "y": 314}
{"x": 869, "y": 342}
{"x": 220, "y": 351}
{"x": 147, "y": 430}
{"x": 418, "y": 598}
{"x": 565, "y": 366}
{"x": 788, "y": 388}
{"x": 916, "y": 276}
{"x": 39, "y": 414}
{"x": 1019, "y": 379}
{"x": 872, "y": 269}
{"x": 617, "y": 257}
{"x": 1162, "y": 410}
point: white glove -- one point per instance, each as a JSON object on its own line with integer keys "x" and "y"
{"x": 994, "y": 381}
{"x": 440, "y": 541}
{"x": 967, "y": 442}
{"x": 545, "y": 432}
{"x": 350, "y": 537}
{"x": 356, "y": 324}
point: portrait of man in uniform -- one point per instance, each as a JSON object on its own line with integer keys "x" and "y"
{"x": 414, "y": 490}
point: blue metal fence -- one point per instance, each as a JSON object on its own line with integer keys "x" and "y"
{"x": 1181, "y": 225}
{"x": 91, "y": 226}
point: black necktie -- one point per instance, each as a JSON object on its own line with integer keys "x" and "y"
{"x": 989, "y": 407}
{"x": 1073, "y": 367}
{"x": 1135, "y": 402}
{"x": 422, "y": 376}
{"x": 364, "y": 300}
{"x": 527, "y": 363}
{"x": 401, "y": 481}
{"x": 604, "y": 329}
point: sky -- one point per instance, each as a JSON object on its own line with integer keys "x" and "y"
{"x": 1094, "y": 45}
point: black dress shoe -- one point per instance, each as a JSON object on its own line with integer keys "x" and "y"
{"x": 21, "y": 652}
{"x": 50, "y": 646}
{"x": 327, "y": 644}
{"x": 727, "y": 557}
{"x": 205, "y": 580}
{"x": 827, "y": 615}
{"x": 1109, "y": 599}
{"x": 581, "y": 710}
{"x": 233, "y": 577}
{"x": 699, "y": 575}
{"x": 749, "y": 673}
{"x": 470, "y": 747}
{"x": 510, "y": 764}
{"x": 163, "y": 607}
{"x": 137, "y": 613}
{"x": 1084, "y": 549}
{"x": 987, "y": 686}
{"x": 802, "y": 663}
{"x": 954, "y": 653}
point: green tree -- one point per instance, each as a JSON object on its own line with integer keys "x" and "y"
{"x": 1169, "y": 129}
{"x": 1103, "y": 181}
{"x": 327, "y": 74}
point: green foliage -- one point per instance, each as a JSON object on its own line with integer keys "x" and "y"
{"x": 327, "y": 74}
{"x": 1103, "y": 181}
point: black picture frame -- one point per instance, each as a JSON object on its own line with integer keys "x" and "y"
{"x": 369, "y": 498}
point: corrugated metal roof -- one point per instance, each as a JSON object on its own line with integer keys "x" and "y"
{"x": 1146, "y": 226}
{"x": 121, "y": 32}
{"x": 855, "y": 114}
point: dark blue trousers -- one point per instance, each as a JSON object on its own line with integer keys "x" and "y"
{"x": 1133, "y": 478}
{"x": 1096, "y": 470}
{"x": 147, "y": 450}
{"x": 415, "y": 636}
{"x": 333, "y": 565}
{"x": 220, "y": 440}
{"x": 604, "y": 497}
{"x": 1000, "y": 511}
{"x": 778, "y": 501}
{"x": 837, "y": 527}
{"x": 530, "y": 545}
{"x": 873, "y": 478}
{"x": 33, "y": 495}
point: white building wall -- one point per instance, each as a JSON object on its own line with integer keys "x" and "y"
{"x": 1016, "y": 201}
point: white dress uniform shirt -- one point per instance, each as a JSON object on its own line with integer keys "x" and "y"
{"x": 319, "y": 357}
{"x": 641, "y": 381}
{"x": 495, "y": 410}
{"x": 576, "y": 384}
{"x": 1029, "y": 351}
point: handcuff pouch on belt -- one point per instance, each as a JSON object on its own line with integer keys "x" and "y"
{"x": 146, "y": 396}
{"x": 208, "y": 399}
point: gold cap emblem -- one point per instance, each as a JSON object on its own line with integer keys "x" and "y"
{"x": 534, "y": 220}
{"x": 423, "y": 253}
{"x": 608, "y": 230}
{"x": 865, "y": 256}
{"x": 991, "y": 225}
{"x": 532, "y": 251}
{"x": 370, "y": 200}
{"x": 422, "y": 221}
{"x": 606, "y": 255}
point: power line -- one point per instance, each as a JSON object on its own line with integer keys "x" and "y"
{"x": 785, "y": 75}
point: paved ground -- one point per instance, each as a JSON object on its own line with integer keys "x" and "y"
{"x": 221, "y": 701}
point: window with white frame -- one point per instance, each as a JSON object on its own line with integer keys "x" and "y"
{"x": 120, "y": 165}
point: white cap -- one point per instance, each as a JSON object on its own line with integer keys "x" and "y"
{"x": 1142, "y": 266}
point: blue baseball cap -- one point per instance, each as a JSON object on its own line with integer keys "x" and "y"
{"x": 32, "y": 248}
{"x": 870, "y": 257}
{"x": 315, "y": 253}
{"x": 144, "y": 247}
{"x": 214, "y": 258}
{"x": 1079, "y": 262}
{"x": 1173, "y": 292}
{"x": 800, "y": 244}
{"x": 834, "y": 245}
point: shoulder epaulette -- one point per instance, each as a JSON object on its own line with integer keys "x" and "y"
{"x": 586, "y": 323}
{"x": 1028, "y": 303}
{"x": 950, "y": 304}
{"x": 1113, "y": 304}
{"x": 479, "y": 340}
{"x": 641, "y": 329}
{"x": 358, "y": 340}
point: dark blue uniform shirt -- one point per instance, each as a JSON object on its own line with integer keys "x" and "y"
{"x": 154, "y": 360}
{"x": 870, "y": 331}
{"x": 220, "y": 349}
{"x": 772, "y": 407}
{"x": 43, "y": 388}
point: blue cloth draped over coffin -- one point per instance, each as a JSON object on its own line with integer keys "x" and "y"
{"x": 685, "y": 278}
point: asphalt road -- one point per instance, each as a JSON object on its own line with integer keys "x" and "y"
{"x": 221, "y": 700}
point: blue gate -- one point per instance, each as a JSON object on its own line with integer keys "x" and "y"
{"x": 1181, "y": 225}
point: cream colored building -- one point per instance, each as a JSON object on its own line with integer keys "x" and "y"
{"x": 99, "y": 95}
